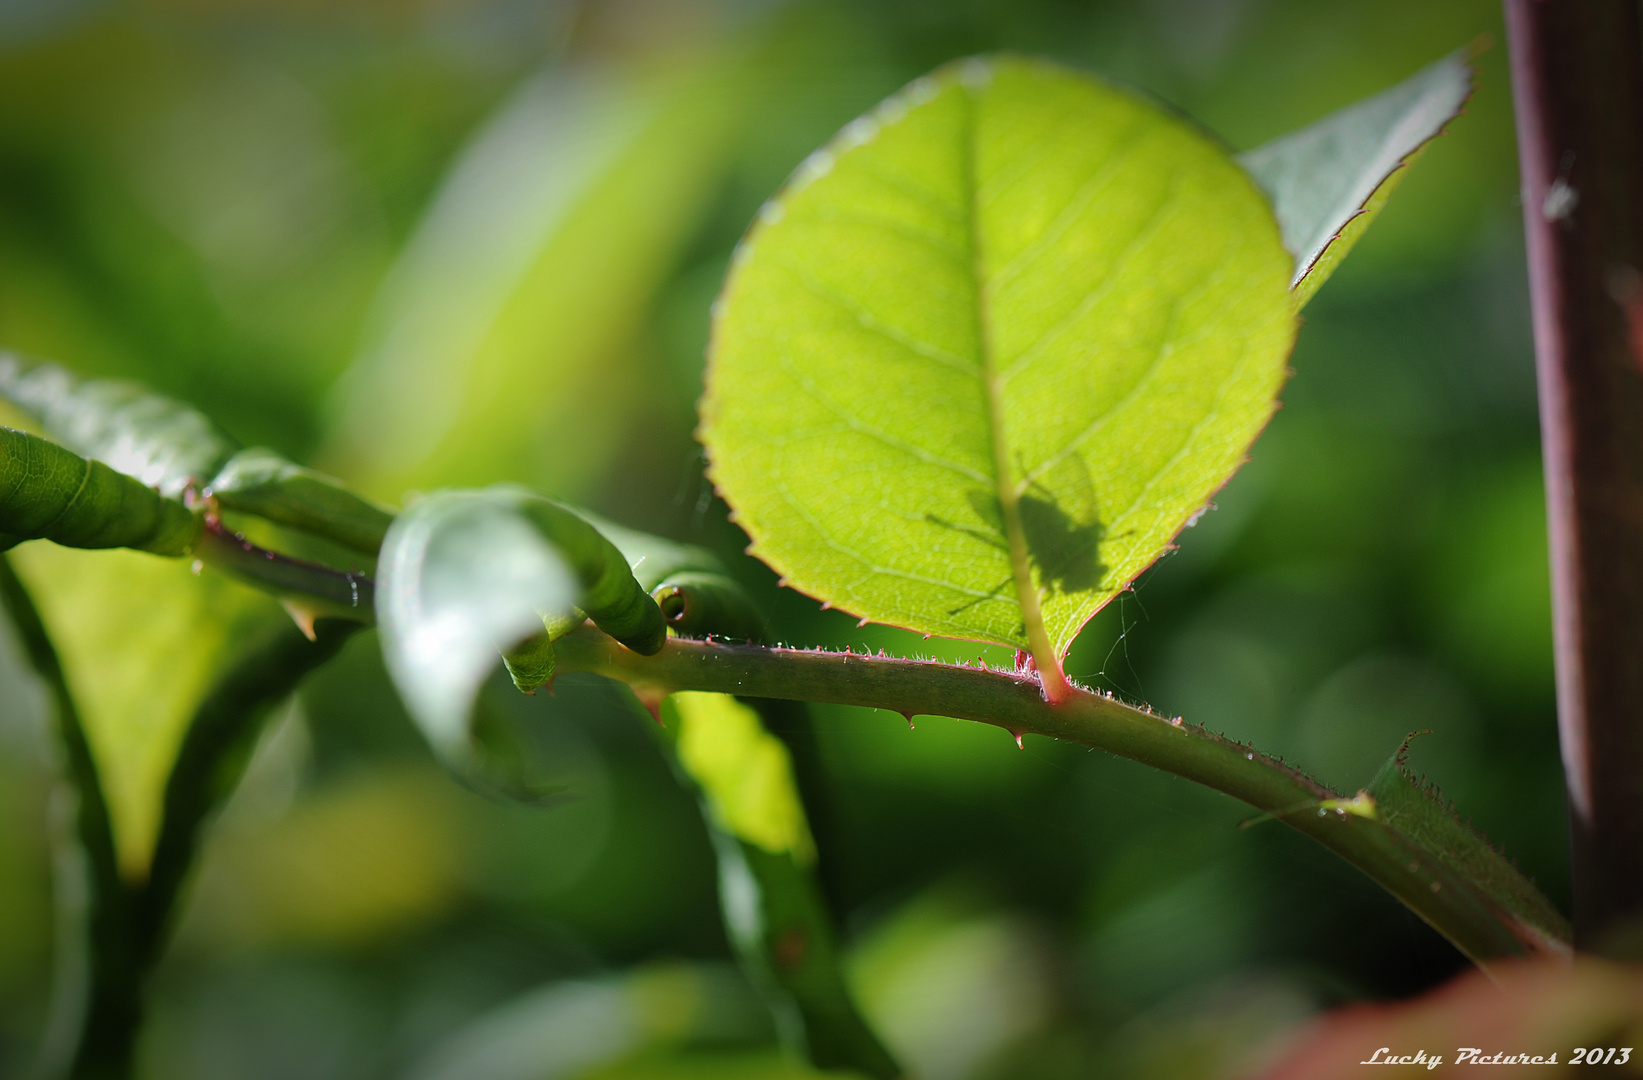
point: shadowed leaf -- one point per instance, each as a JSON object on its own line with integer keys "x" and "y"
{"x": 1416, "y": 811}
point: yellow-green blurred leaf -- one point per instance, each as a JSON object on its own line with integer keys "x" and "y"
{"x": 350, "y": 862}
{"x": 141, "y": 639}
{"x": 497, "y": 346}
{"x": 745, "y": 773}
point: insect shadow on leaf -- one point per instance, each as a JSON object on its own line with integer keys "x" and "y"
{"x": 1067, "y": 553}
{"x": 1066, "y": 550}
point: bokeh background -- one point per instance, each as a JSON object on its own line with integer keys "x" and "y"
{"x": 449, "y": 242}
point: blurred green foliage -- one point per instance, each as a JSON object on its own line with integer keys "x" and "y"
{"x": 476, "y": 240}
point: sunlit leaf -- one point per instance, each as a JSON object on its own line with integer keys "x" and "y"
{"x": 1328, "y": 181}
{"x": 744, "y": 773}
{"x": 990, "y": 351}
{"x": 467, "y": 575}
{"x": 772, "y": 904}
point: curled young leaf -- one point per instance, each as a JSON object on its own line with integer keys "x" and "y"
{"x": 697, "y": 595}
{"x": 466, "y": 575}
{"x": 171, "y": 446}
{"x": 700, "y": 603}
{"x": 49, "y": 493}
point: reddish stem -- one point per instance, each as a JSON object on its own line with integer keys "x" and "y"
{"x": 1577, "y": 74}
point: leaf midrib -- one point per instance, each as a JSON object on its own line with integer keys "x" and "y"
{"x": 1015, "y": 536}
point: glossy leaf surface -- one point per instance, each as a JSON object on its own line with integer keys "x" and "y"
{"x": 1329, "y": 180}
{"x": 165, "y": 444}
{"x": 466, "y": 575}
{"x": 991, "y": 349}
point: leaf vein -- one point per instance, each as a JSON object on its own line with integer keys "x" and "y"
{"x": 861, "y": 427}
{"x": 873, "y": 325}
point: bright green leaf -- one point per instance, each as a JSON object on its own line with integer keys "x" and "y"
{"x": 466, "y": 575}
{"x": 1328, "y": 181}
{"x": 1014, "y": 324}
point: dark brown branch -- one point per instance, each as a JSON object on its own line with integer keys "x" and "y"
{"x": 1577, "y": 73}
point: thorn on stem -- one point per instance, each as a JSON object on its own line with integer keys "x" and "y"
{"x": 652, "y": 701}
{"x": 302, "y": 616}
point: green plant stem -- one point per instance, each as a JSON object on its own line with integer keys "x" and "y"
{"x": 92, "y": 1024}
{"x": 213, "y": 756}
{"x": 1014, "y": 701}
{"x": 317, "y": 590}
